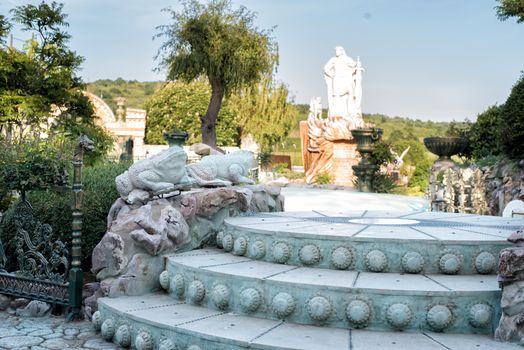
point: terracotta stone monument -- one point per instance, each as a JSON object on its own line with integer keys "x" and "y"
{"x": 327, "y": 144}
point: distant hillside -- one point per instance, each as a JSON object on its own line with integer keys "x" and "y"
{"x": 135, "y": 92}
{"x": 395, "y": 128}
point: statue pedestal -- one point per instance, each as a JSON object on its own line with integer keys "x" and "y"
{"x": 344, "y": 157}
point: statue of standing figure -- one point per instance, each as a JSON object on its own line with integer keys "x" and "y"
{"x": 344, "y": 84}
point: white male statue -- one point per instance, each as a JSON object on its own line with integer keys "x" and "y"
{"x": 343, "y": 78}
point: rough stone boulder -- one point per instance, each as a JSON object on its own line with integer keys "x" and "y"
{"x": 129, "y": 257}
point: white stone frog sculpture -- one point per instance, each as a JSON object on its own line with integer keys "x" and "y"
{"x": 222, "y": 170}
{"x": 162, "y": 173}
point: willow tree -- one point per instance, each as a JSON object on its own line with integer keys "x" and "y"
{"x": 264, "y": 111}
{"x": 217, "y": 41}
{"x": 510, "y": 8}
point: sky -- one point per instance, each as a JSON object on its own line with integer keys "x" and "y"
{"x": 424, "y": 59}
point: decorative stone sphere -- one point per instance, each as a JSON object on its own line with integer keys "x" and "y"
{"x": 358, "y": 312}
{"x": 196, "y": 291}
{"x": 283, "y": 304}
{"x": 96, "y": 320}
{"x": 108, "y": 329}
{"x": 250, "y": 299}
{"x": 341, "y": 258}
{"x": 309, "y": 254}
{"x": 194, "y": 347}
{"x": 439, "y": 317}
{"x": 450, "y": 264}
{"x": 167, "y": 344}
{"x": 281, "y": 252}
{"x": 412, "y": 262}
{"x": 220, "y": 296}
{"x": 319, "y": 308}
{"x": 144, "y": 341}
{"x": 240, "y": 246}
{"x": 257, "y": 250}
{"x": 177, "y": 285}
{"x": 480, "y": 315}
{"x": 485, "y": 263}
{"x": 399, "y": 315}
{"x": 376, "y": 261}
{"x": 123, "y": 336}
{"x": 228, "y": 242}
{"x": 164, "y": 280}
{"x": 220, "y": 236}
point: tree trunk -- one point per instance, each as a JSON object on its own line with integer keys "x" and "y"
{"x": 208, "y": 121}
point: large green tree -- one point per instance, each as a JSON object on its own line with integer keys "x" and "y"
{"x": 40, "y": 90}
{"x": 263, "y": 110}
{"x": 510, "y": 8}
{"x": 179, "y": 104}
{"x": 511, "y": 123}
{"x": 221, "y": 43}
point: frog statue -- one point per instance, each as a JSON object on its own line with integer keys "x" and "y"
{"x": 162, "y": 173}
{"x": 166, "y": 172}
{"x": 222, "y": 170}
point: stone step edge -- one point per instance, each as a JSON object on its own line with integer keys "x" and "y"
{"x": 204, "y": 270}
{"x": 231, "y": 226}
{"x": 321, "y": 304}
{"x": 142, "y": 334}
{"x": 364, "y": 254}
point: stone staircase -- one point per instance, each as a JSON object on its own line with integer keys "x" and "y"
{"x": 324, "y": 280}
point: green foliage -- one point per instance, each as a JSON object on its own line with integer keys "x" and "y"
{"x": 54, "y": 208}
{"x": 37, "y": 165}
{"x": 324, "y": 179}
{"x": 418, "y": 157}
{"x": 135, "y": 92}
{"x": 381, "y": 153}
{"x": 214, "y": 40}
{"x": 510, "y": 8}
{"x": 511, "y": 125}
{"x": 382, "y": 183}
{"x": 499, "y": 131}
{"x": 5, "y": 27}
{"x": 182, "y": 104}
{"x": 482, "y": 136}
{"x": 263, "y": 111}
{"x": 40, "y": 90}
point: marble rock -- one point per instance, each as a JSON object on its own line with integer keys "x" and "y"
{"x": 141, "y": 276}
{"x": 160, "y": 232}
{"x": 512, "y": 301}
{"x": 4, "y": 302}
{"x": 34, "y": 309}
{"x": 511, "y": 263}
{"x": 108, "y": 256}
{"x": 19, "y": 303}
{"x": 140, "y": 234}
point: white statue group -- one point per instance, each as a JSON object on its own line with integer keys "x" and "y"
{"x": 343, "y": 78}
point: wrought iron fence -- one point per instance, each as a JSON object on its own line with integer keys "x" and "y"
{"x": 46, "y": 271}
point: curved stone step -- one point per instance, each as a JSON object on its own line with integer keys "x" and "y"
{"x": 155, "y": 321}
{"x": 404, "y": 242}
{"x": 379, "y": 301}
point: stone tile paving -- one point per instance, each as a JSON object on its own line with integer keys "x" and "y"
{"x": 48, "y": 332}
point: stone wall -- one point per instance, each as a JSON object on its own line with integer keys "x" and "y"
{"x": 511, "y": 279}
{"x": 130, "y": 256}
{"x": 504, "y": 183}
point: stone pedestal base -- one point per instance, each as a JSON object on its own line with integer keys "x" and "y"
{"x": 345, "y": 155}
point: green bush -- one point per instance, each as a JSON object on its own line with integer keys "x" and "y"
{"x": 382, "y": 183}
{"x": 511, "y": 124}
{"x": 54, "y": 208}
{"x": 324, "y": 179}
